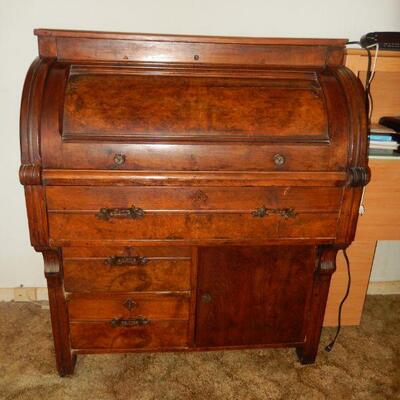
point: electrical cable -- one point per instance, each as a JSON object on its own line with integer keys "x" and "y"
{"x": 369, "y": 104}
{"x": 376, "y": 45}
{"x": 332, "y": 343}
{"x": 368, "y": 98}
{"x": 370, "y": 77}
{"x": 369, "y": 107}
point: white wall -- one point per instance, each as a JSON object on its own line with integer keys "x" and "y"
{"x": 19, "y": 264}
{"x": 386, "y": 266}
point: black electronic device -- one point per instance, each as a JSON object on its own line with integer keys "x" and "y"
{"x": 385, "y": 40}
{"x": 391, "y": 122}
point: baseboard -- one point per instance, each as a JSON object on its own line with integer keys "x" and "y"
{"x": 390, "y": 287}
{"x": 23, "y": 294}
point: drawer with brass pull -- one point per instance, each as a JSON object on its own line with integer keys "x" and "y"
{"x": 164, "y": 213}
{"x": 125, "y": 269}
{"x": 101, "y": 306}
{"x": 129, "y": 334}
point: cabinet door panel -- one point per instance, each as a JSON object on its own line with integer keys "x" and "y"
{"x": 253, "y": 295}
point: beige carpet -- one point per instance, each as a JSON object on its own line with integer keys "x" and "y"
{"x": 365, "y": 364}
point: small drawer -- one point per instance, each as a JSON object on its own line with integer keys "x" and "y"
{"x": 159, "y": 306}
{"x": 126, "y": 269}
{"x": 107, "y": 335}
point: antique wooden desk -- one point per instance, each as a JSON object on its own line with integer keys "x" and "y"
{"x": 189, "y": 192}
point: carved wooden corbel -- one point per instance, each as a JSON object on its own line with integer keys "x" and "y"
{"x": 327, "y": 259}
{"x": 358, "y": 176}
{"x": 30, "y": 174}
{"x": 52, "y": 261}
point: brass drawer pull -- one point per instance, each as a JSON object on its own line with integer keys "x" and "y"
{"x": 283, "y": 212}
{"x": 127, "y": 323}
{"x": 108, "y": 213}
{"x": 116, "y": 261}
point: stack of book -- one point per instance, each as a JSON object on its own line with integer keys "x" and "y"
{"x": 383, "y": 141}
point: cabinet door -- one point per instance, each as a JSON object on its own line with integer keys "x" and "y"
{"x": 253, "y": 295}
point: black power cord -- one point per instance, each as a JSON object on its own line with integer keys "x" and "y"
{"x": 369, "y": 106}
{"x": 368, "y": 98}
{"x": 332, "y": 343}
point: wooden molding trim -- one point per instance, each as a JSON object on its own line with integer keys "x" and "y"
{"x": 357, "y": 130}
{"x": 62, "y": 44}
{"x": 30, "y": 110}
{"x": 40, "y": 32}
{"x": 194, "y": 178}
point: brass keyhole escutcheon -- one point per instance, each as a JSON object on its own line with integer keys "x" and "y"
{"x": 130, "y": 304}
{"x": 206, "y": 298}
{"x": 119, "y": 159}
{"x": 279, "y": 159}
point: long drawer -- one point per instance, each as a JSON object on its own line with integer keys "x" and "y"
{"x": 93, "y": 198}
{"x": 104, "y": 213}
{"x": 103, "y": 335}
{"x": 124, "y": 269}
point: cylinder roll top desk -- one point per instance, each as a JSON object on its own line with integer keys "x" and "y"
{"x": 188, "y": 192}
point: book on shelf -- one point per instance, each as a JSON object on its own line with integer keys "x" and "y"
{"x": 383, "y": 145}
{"x": 383, "y": 138}
{"x": 383, "y": 153}
{"x": 380, "y": 138}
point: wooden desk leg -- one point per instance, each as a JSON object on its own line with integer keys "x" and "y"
{"x": 322, "y": 277}
{"x": 65, "y": 359}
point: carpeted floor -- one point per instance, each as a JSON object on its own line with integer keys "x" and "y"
{"x": 365, "y": 364}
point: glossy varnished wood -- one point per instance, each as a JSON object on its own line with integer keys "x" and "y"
{"x": 192, "y": 108}
{"x": 193, "y": 226}
{"x": 158, "y": 306}
{"x": 96, "y": 275}
{"x": 83, "y": 198}
{"x": 253, "y": 295}
{"x": 70, "y": 177}
{"x": 65, "y": 359}
{"x": 189, "y": 192}
{"x": 77, "y": 148}
{"x": 157, "y": 334}
{"x": 216, "y": 50}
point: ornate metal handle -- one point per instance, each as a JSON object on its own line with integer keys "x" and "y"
{"x": 116, "y": 261}
{"x": 127, "y": 323}
{"x": 283, "y": 212}
{"x": 108, "y": 213}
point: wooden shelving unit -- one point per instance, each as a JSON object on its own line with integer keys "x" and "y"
{"x": 381, "y": 220}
